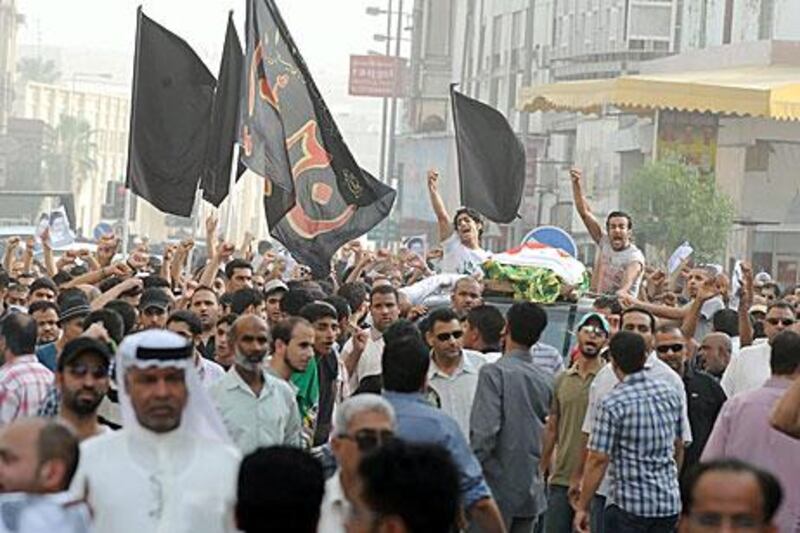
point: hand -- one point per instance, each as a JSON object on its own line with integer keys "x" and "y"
{"x": 433, "y": 181}
{"x": 131, "y": 284}
{"x": 707, "y": 291}
{"x": 581, "y": 522}
{"x": 543, "y": 467}
{"x": 120, "y": 269}
{"x": 12, "y": 243}
{"x": 45, "y": 238}
{"x": 169, "y": 253}
{"x": 98, "y": 332}
{"x": 576, "y": 175}
{"x": 574, "y": 492}
{"x": 434, "y": 253}
{"x": 211, "y": 224}
{"x": 83, "y": 253}
{"x": 186, "y": 245}
{"x": 416, "y": 311}
{"x": 626, "y": 300}
{"x": 360, "y": 338}
{"x": 138, "y": 260}
{"x": 225, "y": 251}
{"x": 248, "y": 238}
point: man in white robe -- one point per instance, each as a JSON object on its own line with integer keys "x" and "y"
{"x": 171, "y": 468}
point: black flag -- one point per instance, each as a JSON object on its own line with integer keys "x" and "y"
{"x": 224, "y": 118}
{"x": 316, "y": 196}
{"x": 491, "y": 159}
{"x": 170, "y": 115}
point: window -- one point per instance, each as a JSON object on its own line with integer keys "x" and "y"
{"x": 516, "y": 30}
{"x": 497, "y": 40}
{"x": 766, "y": 17}
{"x": 757, "y": 157}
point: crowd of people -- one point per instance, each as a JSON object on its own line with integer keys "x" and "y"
{"x": 141, "y": 393}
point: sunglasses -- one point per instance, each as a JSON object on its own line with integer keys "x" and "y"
{"x": 594, "y": 330}
{"x": 775, "y": 321}
{"x": 81, "y": 370}
{"x": 444, "y": 337}
{"x": 675, "y": 348}
{"x": 369, "y": 439}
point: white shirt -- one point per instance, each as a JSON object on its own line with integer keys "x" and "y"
{"x": 457, "y": 392}
{"x": 458, "y": 259}
{"x": 210, "y": 372}
{"x": 419, "y": 291}
{"x": 370, "y": 362}
{"x": 335, "y": 507}
{"x": 749, "y": 370}
{"x": 606, "y": 380}
{"x": 139, "y": 481}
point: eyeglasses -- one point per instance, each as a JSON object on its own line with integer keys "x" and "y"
{"x": 675, "y": 348}
{"x": 81, "y": 370}
{"x": 444, "y": 337}
{"x": 369, "y": 439}
{"x": 786, "y": 322}
{"x": 594, "y": 330}
{"x": 714, "y": 521}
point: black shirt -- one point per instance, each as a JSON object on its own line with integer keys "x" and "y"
{"x": 704, "y": 398}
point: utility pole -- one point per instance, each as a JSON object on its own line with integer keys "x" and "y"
{"x": 383, "y": 175}
{"x": 393, "y": 114}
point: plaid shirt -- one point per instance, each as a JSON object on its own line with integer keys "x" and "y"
{"x": 23, "y": 385}
{"x": 636, "y": 426}
{"x": 51, "y": 403}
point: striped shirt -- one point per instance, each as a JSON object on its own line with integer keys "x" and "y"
{"x": 23, "y": 386}
{"x": 548, "y": 358}
{"x": 636, "y": 426}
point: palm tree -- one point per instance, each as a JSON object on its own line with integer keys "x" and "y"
{"x": 38, "y": 70}
{"x": 72, "y": 157}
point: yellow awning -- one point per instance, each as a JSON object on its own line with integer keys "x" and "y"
{"x": 770, "y": 92}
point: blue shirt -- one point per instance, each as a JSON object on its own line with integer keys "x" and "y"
{"x": 636, "y": 426}
{"x": 419, "y": 422}
{"x": 47, "y": 355}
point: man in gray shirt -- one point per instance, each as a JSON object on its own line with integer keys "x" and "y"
{"x": 508, "y": 418}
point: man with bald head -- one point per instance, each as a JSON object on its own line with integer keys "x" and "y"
{"x": 467, "y": 294}
{"x": 257, "y": 408}
{"x": 37, "y": 456}
{"x": 715, "y": 353}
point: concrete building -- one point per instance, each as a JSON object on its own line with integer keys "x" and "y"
{"x": 9, "y": 21}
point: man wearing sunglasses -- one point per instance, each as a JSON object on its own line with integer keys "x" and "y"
{"x": 83, "y": 379}
{"x": 703, "y": 394}
{"x": 362, "y": 423}
{"x": 453, "y": 373}
{"x": 750, "y": 369}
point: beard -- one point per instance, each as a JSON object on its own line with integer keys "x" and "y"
{"x": 83, "y": 405}
{"x": 590, "y": 352}
{"x": 251, "y": 363}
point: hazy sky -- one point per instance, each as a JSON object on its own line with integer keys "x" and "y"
{"x": 326, "y": 31}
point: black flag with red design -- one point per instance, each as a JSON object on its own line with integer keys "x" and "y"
{"x": 316, "y": 197}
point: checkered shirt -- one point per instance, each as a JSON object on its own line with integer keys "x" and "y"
{"x": 49, "y": 407}
{"x": 23, "y": 386}
{"x": 636, "y": 426}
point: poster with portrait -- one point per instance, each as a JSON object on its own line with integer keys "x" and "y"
{"x": 690, "y": 138}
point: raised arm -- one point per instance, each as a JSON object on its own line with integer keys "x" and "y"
{"x": 745, "y": 301}
{"x": 442, "y": 216}
{"x": 589, "y": 220}
{"x": 705, "y": 293}
{"x": 11, "y": 253}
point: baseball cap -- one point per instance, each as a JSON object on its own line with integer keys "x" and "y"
{"x": 275, "y": 285}
{"x": 758, "y": 308}
{"x": 77, "y": 347}
{"x": 597, "y": 316}
{"x": 154, "y": 297}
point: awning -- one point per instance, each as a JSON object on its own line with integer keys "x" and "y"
{"x": 769, "y": 92}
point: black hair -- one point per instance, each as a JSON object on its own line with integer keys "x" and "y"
{"x": 205, "y": 288}
{"x": 188, "y": 318}
{"x": 343, "y": 310}
{"x": 124, "y": 310}
{"x": 57, "y": 442}
{"x": 43, "y": 283}
{"x": 244, "y": 298}
{"x": 383, "y": 289}
{"x": 785, "y": 353}
{"x": 628, "y": 351}
{"x": 471, "y": 213}
{"x": 356, "y": 293}
{"x": 234, "y": 265}
{"x": 780, "y": 304}
{"x": 43, "y": 305}
{"x": 226, "y": 300}
{"x": 641, "y": 311}
{"x": 62, "y": 277}
{"x": 619, "y": 214}
{"x": 279, "y": 489}
{"x": 20, "y": 333}
{"x": 726, "y": 321}
{"x": 771, "y": 492}
{"x": 419, "y": 483}
{"x": 608, "y": 301}
{"x": 283, "y": 330}
{"x": 317, "y": 310}
{"x": 405, "y": 361}
{"x": 109, "y": 283}
{"x": 325, "y": 286}
{"x": 5, "y": 279}
{"x": 440, "y": 314}
{"x": 489, "y": 322}
{"x": 111, "y": 321}
{"x": 155, "y": 282}
{"x": 294, "y": 300}
{"x": 669, "y": 327}
{"x": 526, "y": 322}
{"x": 229, "y": 319}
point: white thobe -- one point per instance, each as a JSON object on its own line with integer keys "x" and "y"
{"x": 139, "y": 481}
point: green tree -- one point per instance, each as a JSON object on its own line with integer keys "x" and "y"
{"x": 38, "y": 70}
{"x": 72, "y": 158}
{"x": 671, "y": 202}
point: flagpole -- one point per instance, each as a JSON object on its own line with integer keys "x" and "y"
{"x": 232, "y": 183}
{"x": 126, "y": 217}
{"x": 126, "y": 230}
